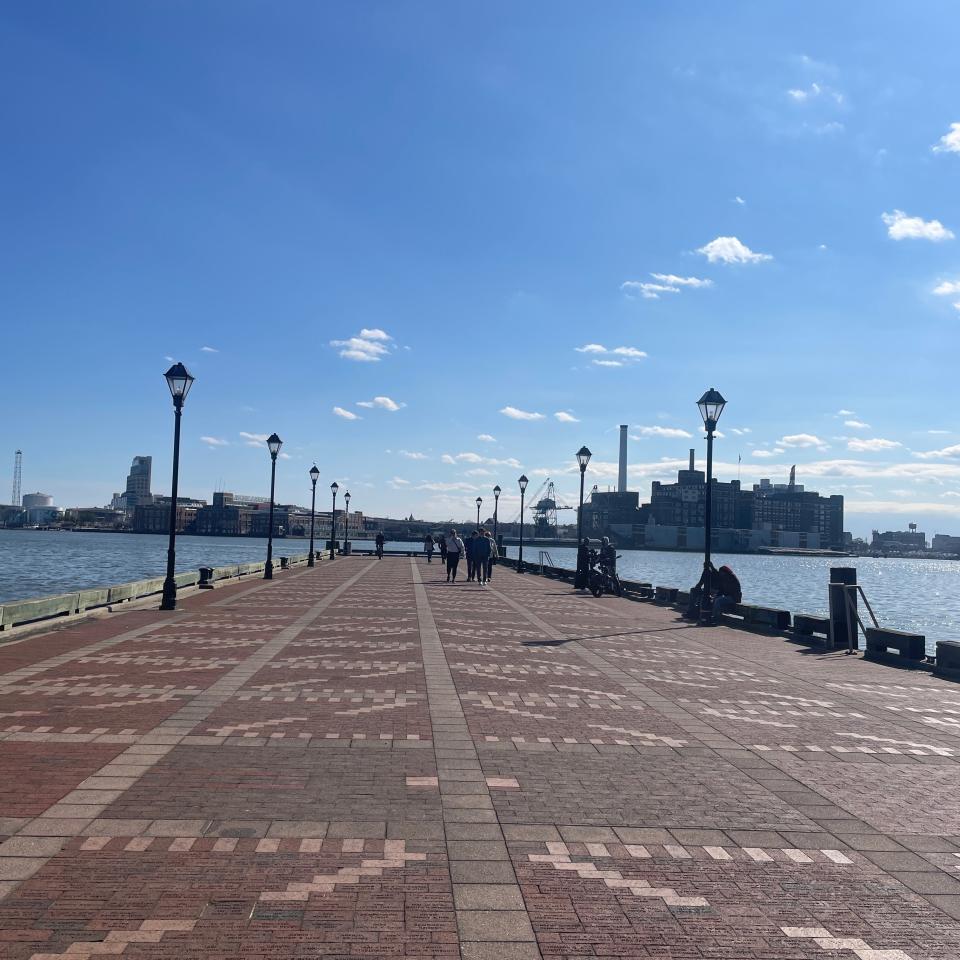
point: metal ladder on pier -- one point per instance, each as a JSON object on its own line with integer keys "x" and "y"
{"x": 850, "y": 596}
{"x": 549, "y": 560}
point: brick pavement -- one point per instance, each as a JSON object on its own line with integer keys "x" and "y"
{"x": 361, "y": 760}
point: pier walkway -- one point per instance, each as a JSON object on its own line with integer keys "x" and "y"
{"x": 360, "y": 760}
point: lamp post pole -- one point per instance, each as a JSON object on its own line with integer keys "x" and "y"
{"x": 346, "y": 523}
{"x": 274, "y": 443}
{"x": 583, "y": 458}
{"x": 334, "y": 487}
{"x": 314, "y": 476}
{"x": 479, "y": 505}
{"x": 711, "y": 405}
{"x": 523, "y": 481}
{"x": 179, "y": 381}
{"x": 496, "y": 509}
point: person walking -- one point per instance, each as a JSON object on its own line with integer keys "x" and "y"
{"x": 380, "y": 542}
{"x": 455, "y": 550}
{"x": 494, "y": 554}
{"x": 428, "y": 547}
{"x": 583, "y": 565}
{"x": 442, "y": 544}
{"x": 481, "y": 554}
{"x": 471, "y": 569}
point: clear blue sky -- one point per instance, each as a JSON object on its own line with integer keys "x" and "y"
{"x": 314, "y": 205}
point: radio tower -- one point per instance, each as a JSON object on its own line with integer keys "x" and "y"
{"x": 17, "y": 465}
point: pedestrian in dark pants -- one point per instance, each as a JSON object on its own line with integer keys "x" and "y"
{"x": 481, "y": 554}
{"x": 379, "y": 546}
{"x": 428, "y": 547}
{"x": 471, "y": 568}
{"x": 494, "y": 555}
{"x": 455, "y": 550}
{"x": 442, "y": 544}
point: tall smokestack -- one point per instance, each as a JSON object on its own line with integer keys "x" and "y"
{"x": 691, "y": 461}
{"x": 622, "y": 474}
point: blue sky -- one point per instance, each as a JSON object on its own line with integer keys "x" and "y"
{"x": 472, "y": 212}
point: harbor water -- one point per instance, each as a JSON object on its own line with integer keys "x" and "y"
{"x": 919, "y": 596}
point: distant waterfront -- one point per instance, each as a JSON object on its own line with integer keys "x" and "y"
{"x": 916, "y": 595}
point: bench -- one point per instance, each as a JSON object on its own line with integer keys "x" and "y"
{"x": 948, "y": 660}
{"x": 767, "y": 617}
{"x": 908, "y": 646}
{"x": 665, "y": 595}
{"x": 807, "y": 624}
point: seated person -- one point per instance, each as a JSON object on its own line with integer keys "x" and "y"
{"x": 706, "y": 582}
{"x": 728, "y": 590}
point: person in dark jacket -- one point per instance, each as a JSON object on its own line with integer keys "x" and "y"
{"x": 707, "y": 581}
{"x": 481, "y": 554}
{"x": 442, "y": 545}
{"x": 380, "y": 542}
{"x": 471, "y": 567}
{"x": 728, "y": 593}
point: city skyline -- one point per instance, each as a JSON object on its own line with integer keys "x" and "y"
{"x": 433, "y": 250}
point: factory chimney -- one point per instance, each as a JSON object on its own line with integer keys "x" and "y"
{"x": 622, "y": 474}
{"x": 691, "y": 461}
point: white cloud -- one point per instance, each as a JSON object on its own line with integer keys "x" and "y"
{"x": 385, "y": 403}
{"x": 647, "y": 290}
{"x": 740, "y": 431}
{"x": 615, "y": 357}
{"x": 478, "y": 472}
{"x": 345, "y": 414}
{"x": 514, "y": 414}
{"x": 565, "y": 417}
{"x": 902, "y": 227}
{"x": 846, "y": 413}
{"x": 856, "y": 424}
{"x": 670, "y": 432}
{"x": 814, "y": 92}
{"x": 667, "y": 283}
{"x": 872, "y": 445}
{"x": 802, "y": 440}
{"x": 254, "y": 439}
{"x": 765, "y": 453}
{"x": 471, "y": 457}
{"x": 951, "y": 493}
{"x": 215, "y": 442}
{"x": 947, "y": 288}
{"x": 400, "y": 482}
{"x": 675, "y": 281}
{"x": 413, "y": 455}
{"x": 369, "y": 346}
{"x": 447, "y": 459}
{"x": 486, "y": 438}
{"x": 949, "y": 142}
{"x": 209, "y": 350}
{"x": 739, "y": 200}
{"x": 939, "y": 431}
{"x": 731, "y": 250}
{"x": 947, "y": 453}
{"x": 284, "y": 456}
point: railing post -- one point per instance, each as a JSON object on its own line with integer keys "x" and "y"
{"x": 841, "y": 621}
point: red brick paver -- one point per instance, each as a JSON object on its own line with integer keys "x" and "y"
{"x": 361, "y": 760}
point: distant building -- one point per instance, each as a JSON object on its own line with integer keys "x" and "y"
{"x": 789, "y": 508}
{"x": 155, "y": 517}
{"x": 36, "y": 500}
{"x": 138, "y": 483}
{"x": 899, "y": 540}
{"x": 683, "y": 504}
{"x": 943, "y": 543}
{"x": 239, "y": 515}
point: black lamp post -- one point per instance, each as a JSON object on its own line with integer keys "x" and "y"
{"x": 479, "y": 505}
{"x": 496, "y": 509}
{"x": 711, "y": 405}
{"x": 346, "y": 523}
{"x": 314, "y": 476}
{"x": 583, "y": 458}
{"x": 179, "y": 381}
{"x": 334, "y": 487}
{"x": 274, "y": 443}
{"x": 523, "y": 481}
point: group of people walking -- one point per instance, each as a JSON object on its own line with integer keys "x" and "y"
{"x": 479, "y": 550}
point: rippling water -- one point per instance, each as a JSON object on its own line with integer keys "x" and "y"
{"x": 915, "y": 595}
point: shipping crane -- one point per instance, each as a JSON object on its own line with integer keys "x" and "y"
{"x": 544, "y": 506}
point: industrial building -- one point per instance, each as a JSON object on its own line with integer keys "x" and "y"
{"x": 899, "y": 540}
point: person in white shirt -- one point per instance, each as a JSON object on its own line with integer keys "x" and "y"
{"x": 455, "y": 551}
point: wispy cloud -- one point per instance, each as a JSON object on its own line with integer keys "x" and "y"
{"x": 666, "y": 283}
{"x": 946, "y": 453}
{"x": 856, "y": 424}
{"x": 345, "y": 414}
{"x": 740, "y": 431}
{"x": 872, "y": 445}
{"x": 764, "y": 454}
{"x": 413, "y": 455}
{"x": 486, "y": 438}
{"x": 739, "y": 201}
{"x": 816, "y": 91}
{"x": 948, "y": 288}
{"x": 400, "y": 482}
{"x": 803, "y": 440}
{"x": 384, "y": 403}
{"x": 613, "y": 357}
{"x": 565, "y": 417}
{"x": 672, "y": 433}
{"x": 516, "y": 414}
{"x": 209, "y": 350}
{"x": 949, "y": 142}
{"x": 368, "y": 346}
{"x": 902, "y": 227}
{"x": 254, "y": 439}
{"x": 731, "y": 250}
{"x": 215, "y": 442}
{"x": 469, "y": 456}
